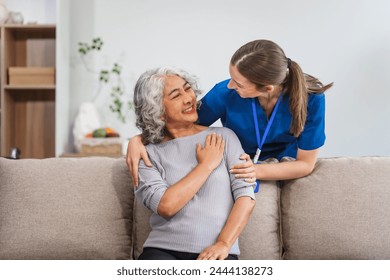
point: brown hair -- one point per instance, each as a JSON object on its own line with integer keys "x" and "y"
{"x": 263, "y": 63}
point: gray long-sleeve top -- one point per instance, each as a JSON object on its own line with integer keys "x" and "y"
{"x": 198, "y": 224}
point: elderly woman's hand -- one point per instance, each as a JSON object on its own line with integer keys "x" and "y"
{"x": 217, "y": 251}
{"x": 245, "y": 170}
{"x": 211, "y": 154}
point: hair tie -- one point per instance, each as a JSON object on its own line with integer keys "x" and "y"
{"x": 288, "y": 62}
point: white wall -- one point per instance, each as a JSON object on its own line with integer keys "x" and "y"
{"x": 63, "y": 142}
{"x": 345, "y": 42}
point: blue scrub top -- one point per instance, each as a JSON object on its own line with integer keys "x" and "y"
{"x": 236, "y": 113}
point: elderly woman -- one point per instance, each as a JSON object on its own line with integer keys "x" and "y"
{"x": 199, "y": 208}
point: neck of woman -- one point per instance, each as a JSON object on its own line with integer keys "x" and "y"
{"x": 268, "y": 100}
{"x": 177, "y": 131}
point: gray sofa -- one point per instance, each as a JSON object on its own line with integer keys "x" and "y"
{"x": 84, "y": 208}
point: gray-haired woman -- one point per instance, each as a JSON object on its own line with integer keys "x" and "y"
{"x": 199, "y": 208}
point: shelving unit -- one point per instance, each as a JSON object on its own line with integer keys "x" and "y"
{"x": 27, "y": 111}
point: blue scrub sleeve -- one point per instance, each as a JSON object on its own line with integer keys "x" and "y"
{"x": 313, "y": 135}
{"x": 213, "y": 106}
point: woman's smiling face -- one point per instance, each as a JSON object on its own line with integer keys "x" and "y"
{"x": 179, "y": 101}
{"x": 242, "y": 85}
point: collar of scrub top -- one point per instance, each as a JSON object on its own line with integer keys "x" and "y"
{"x": 260, "y": 141}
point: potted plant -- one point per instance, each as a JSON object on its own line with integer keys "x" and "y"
{"x": 109, "y": 80}
{"x": 111, "y": 76}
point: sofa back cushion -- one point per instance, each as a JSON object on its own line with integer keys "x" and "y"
{"x": 67, "y": 208}
{"x": 340, "y": 211}
{"x": 260, "y": 238}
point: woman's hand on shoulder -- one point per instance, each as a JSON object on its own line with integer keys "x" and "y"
{"x": 211, "y": 154}
{"x": 135, "y": 152}
{"x": 245, "y": 170}
{"x": 217, "y": 251}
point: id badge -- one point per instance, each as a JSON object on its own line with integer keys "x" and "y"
{"x": 257, "y": 155}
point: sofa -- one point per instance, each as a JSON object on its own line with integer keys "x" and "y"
{"x": 84, "y": 208}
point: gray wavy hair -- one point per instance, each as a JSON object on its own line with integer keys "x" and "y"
{"x": 148, "y": 101}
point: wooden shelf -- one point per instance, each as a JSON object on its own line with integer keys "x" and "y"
{"x": 27, "y": 111}
{"x": 29, "y": 87}
{"x": 31, "y": 26}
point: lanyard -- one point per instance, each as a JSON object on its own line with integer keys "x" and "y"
{"x": 260, "y": 141}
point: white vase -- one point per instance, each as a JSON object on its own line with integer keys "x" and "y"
{"x": 87, "y": 120}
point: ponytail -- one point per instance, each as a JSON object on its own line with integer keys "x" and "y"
{"x": 299, "y": 85}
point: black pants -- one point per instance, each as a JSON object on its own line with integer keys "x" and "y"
{"x": 151, "y": 253}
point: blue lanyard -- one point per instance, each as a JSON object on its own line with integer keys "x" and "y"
{"x": 260, "y": 141}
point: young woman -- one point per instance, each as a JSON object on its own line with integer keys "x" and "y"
{"x": 276, "y": 110}
{"x": 199, "y": 208}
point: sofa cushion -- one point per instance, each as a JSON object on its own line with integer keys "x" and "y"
{"x": 260, "y": 238}
{"x": 68, "y": 208}
{"x": 340, "y": 211}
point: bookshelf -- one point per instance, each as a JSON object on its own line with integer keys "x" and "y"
{"x": 27, "y": 111}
